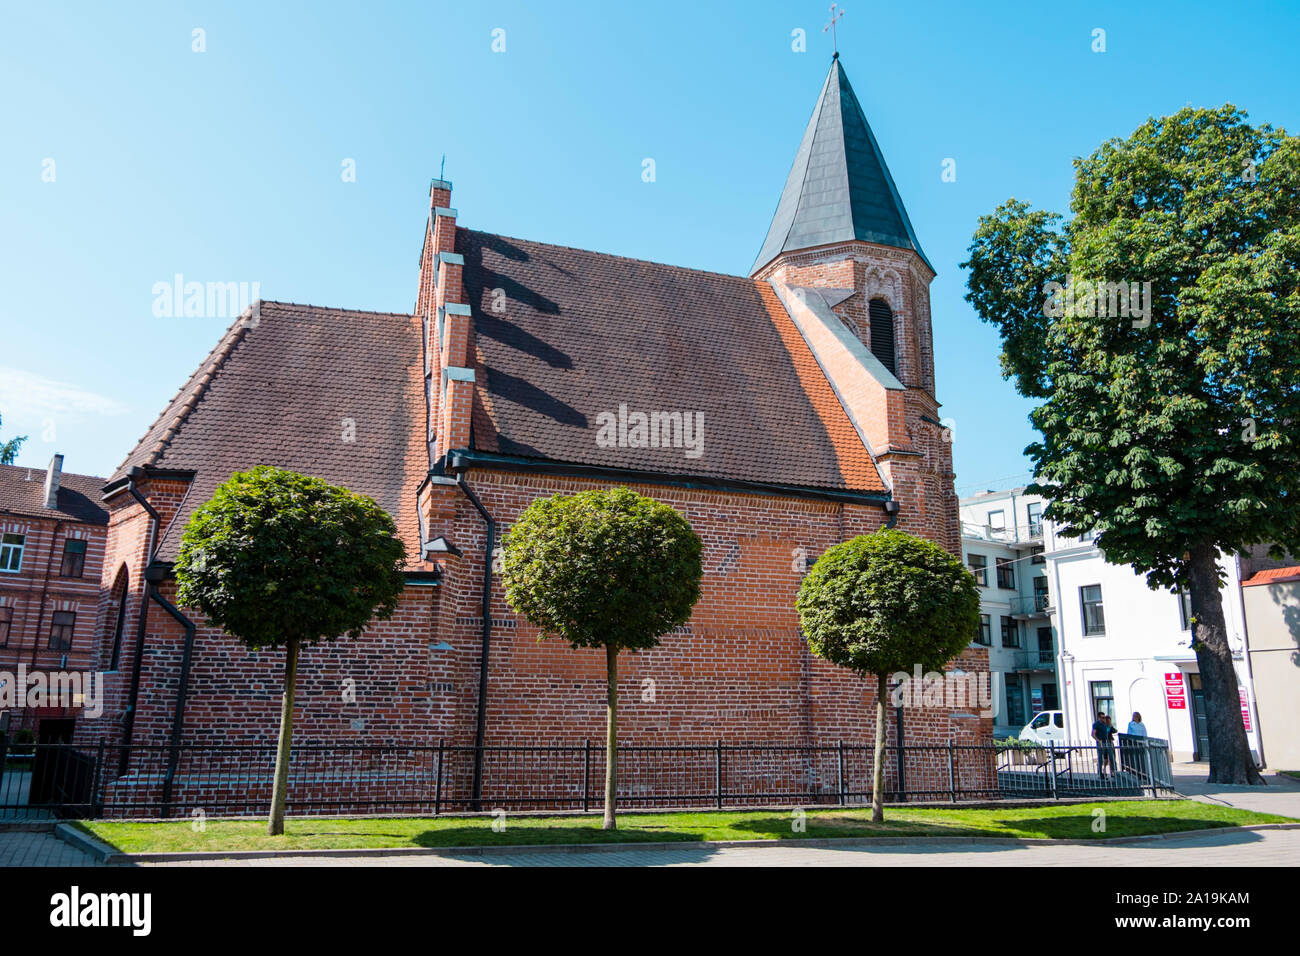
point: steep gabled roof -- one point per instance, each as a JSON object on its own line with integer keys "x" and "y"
{"x": 583, "y": 333}
{"x": 328, "y": 392}
{"x": 839, "y": 188}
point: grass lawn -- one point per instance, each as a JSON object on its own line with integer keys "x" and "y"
{"x": 1127, "y": 818}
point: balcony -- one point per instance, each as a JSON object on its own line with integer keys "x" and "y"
{"x": 1036, "y": 660}
{"x": 1023, "y": 608}
{"x": 1019, "y": 536}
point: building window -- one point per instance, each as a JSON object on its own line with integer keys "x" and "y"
{"x": 61, "y": 627}
{"x": 985, "y": 635}
{"x": 998, "y": 520}
{"x": 1036, "y": 556}
{"x": 882, "y": 333}
{"x": 1035, "y": 511}
{"x": 1094, "y": 620}
{"x": 1006, "y": 573}
{"x": 1185, "y": 610}
{"x": 1045, "y": 652}
{"x": 1010, "y": 632}
{"x": 74, "y": 558}
{"x": 6, "y": 618}
{"x": 1103, "y": 699}
{"x": 1015, "y": 705}
{"x": 1040, "y": 594}
{"x": 1050, "y": 701}
{"x": 120, "y": 626}
{"x": 11, "y": 552}
{"x": 979, "y": 566}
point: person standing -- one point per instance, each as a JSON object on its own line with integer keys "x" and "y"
{"x": 1102, "y": 732}
{"x": 1135, "y": 726}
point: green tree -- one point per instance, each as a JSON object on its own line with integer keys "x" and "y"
{"x": 1167, "y": 425}
{"x": 608, "y": 569}
{"x": 9, "y": 449}
{"x": 886, "y": 602}
{"x": 279, "y": 559}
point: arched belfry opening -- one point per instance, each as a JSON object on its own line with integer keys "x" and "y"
{"x": 882, "y": 333}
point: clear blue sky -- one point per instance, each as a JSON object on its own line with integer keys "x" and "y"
{"x": 225, "y": 165}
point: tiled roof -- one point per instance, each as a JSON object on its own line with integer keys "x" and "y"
{"x": 22, "y": 492}
{"x": 290, "y": 391}
{"x": 582, "y": 333}
{"x": 839, "y": 188}
{"x": 1272, "y": 576}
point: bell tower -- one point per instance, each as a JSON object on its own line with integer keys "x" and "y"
{"x": 841, "y": 234}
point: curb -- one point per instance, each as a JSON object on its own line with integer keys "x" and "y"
{"x": 112, "y": 856}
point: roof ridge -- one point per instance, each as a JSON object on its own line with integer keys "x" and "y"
{"x": 65, "y": 474}
{"x": 612, "y": 255}
{"x": 332, "y": 308}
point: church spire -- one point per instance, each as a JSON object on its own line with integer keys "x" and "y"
{"x": 839, "y": 188}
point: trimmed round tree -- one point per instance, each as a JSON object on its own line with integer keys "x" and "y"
{"x": 606, "y": 568}
{"x": 279, "y": 559}
{"x": 886, "y": 602}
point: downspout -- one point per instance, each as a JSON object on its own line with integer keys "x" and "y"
{"x": 178, "y": 719}
{"x": 480, "y": 731}
{"x": 128, "y": 718}
{"x": 892, "y": 508}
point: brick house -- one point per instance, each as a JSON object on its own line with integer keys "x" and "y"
{"x": 52, "y": 533}
{"x": 780, "y": 412}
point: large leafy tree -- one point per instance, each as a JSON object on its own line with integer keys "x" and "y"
{"x": 882, "y": 603}
{"x": 603, "y": 568}
{"x": 1167, "y": 429}
{"x": 279, "y": 559}
{"x": 9, "y": 449}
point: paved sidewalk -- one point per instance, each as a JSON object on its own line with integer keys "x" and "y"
{"x": 1282, "y": 795}
{"x": 1233, "y": 848}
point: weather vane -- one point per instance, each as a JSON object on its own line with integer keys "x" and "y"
{"x": 831, "y": 26}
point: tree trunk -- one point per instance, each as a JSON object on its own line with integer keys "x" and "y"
{"x": 275, "y": 826}
{"x": 1230, "y": 759}
{"x": 878, "y": 764}
{"x": 611, "y": 734}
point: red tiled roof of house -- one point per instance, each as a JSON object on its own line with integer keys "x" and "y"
{"x": 22, "y": 492}
{"x": 572, "y": 334}
{"x": 1272, "y": 576}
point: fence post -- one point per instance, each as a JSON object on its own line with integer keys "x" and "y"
{"x": 717, "y": 771}
{"x": 586, "y": 775}
{"x": 952, "y": 773}
{"x": 1051, "y": 768}
{"x": 96, "y": 786}
{"x": 1146, "y": 763}
{"x": 841, "y": 778}
{"x": 437, "y": 789}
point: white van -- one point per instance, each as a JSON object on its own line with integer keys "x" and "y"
{"x": 1047, "y": 727}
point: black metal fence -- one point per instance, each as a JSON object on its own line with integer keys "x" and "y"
{"x": 63, "y": 780}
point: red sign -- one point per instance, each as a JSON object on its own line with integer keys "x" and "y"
{"x": 1175, "y": 698}
{"x": 1245, "y": 707}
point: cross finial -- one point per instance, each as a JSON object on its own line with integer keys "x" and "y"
{"x": 831, "y": 26}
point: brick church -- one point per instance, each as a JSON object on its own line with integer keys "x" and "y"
{"x": 779, "y": 412}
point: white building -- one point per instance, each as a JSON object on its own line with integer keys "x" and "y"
{"x": 1117, "y": 645}
{"x": 1002, "y": 545}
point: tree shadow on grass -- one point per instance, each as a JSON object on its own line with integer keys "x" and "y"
{"x": 452, "y": 837}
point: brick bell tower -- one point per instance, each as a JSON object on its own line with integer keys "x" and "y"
{"x": 840, "y": 238}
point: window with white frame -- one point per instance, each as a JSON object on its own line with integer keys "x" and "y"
{"x": 11, "y": 552}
